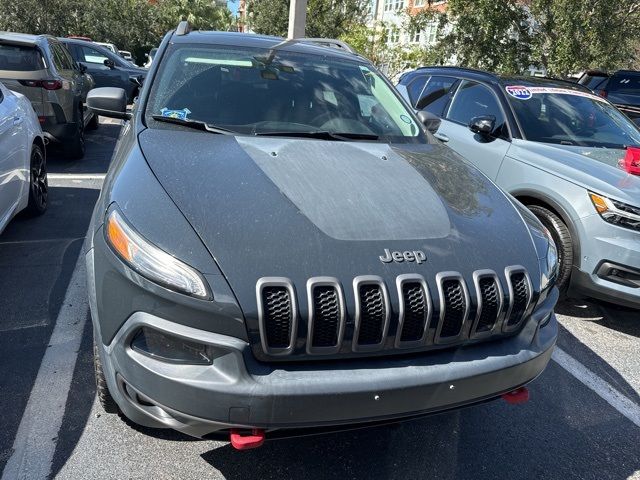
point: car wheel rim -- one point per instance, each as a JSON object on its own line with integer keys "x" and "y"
{"x": 39, "y": 185}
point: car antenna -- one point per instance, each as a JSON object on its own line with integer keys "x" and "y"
{"x": 183, "y": 28}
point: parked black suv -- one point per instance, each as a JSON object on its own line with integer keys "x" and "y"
{"x": 280, "y": 247}
{"x": 622, "y": 88}
{"x": 106, "y": 68}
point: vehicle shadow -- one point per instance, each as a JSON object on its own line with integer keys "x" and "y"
{"x": 99, "y": 143}
{"x": 614, "y": 317}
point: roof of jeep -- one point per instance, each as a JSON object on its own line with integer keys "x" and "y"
{"x": 22, "y": 38}
{"x": 261, "y": 41}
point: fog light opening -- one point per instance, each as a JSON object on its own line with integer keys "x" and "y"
{"x": 169, "y": 348}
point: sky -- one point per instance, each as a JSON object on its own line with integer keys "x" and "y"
{"x": 233, "y": 6}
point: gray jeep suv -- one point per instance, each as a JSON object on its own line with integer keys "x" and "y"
{"x": 281, "y": 247}
{"x": 41, "y": 68}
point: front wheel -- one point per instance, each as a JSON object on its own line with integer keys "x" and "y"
{"x": 102, "y": 390}
{"x": 38, "y": 184}
{"x": 562, "y": 238}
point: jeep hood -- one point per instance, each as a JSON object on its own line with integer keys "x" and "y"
{"x": 300, "y": 208}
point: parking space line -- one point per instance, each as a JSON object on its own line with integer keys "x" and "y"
{"x": 613, "y": 397}
{"x": 76, "y": 176}
{"x": 35, "y": 442}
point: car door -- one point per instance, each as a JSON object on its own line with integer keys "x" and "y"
{"x": 68, "y": 97}
{"x": 103, "y": 75}
{"x": 12, "y": 152}
{"x": 473, "y": 99}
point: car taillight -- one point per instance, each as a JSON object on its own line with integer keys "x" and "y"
{"x": 51, "y": 84}
{"x": 46, "y": 84}
{"x": 631, "y": 161}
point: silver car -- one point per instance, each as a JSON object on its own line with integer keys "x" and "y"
{"x": 41, "y": 68}
{"x": 566, "y": 153}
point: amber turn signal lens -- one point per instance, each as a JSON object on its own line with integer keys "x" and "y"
{"x": 118, "y": 239}
{"x": 599, "y": 202}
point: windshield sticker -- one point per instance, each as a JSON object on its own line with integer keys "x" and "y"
{"x": 518, "y": 91}
{"x": 181, "y": 114}
{"x": 405, "y": 119}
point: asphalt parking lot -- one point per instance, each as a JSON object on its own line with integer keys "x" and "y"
{"x": 582, "y": 421}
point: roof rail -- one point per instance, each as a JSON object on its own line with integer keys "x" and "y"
{"x": 183, "y": 28}
{"x": 328, "y": 42}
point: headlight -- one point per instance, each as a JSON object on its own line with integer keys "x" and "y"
{"x": 615, "y": 212}
{"x": 549, "y": 273}
{"x": 150, "y": 261}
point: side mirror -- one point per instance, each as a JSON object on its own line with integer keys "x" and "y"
{"x": 110, "y": 63}
{"x": 108, "y": 102}
{"x": 483, "y": 125}
{"x": 82, "y": 68}
{"x": 429, "y": 120}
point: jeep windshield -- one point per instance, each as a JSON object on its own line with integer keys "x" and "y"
{"x": 571, "y": 117}
{"x": 275, "y": 92}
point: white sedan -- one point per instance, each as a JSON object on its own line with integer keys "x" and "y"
{"x": 23, "y": 168}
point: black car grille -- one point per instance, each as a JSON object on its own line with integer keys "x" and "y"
{"x": 455, "y": 311}
{"x": 520, "y": 299}
{"x": 278, "y": 316}
{"x": 415, "y": 312}
{"x": 373, "y": 312}
{"x": 326, "y": 318}
{"x": 454, "y": 308}
{"x": 490, "y": 302}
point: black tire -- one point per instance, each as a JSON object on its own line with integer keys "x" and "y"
{"x": 564, "y": 242}
{"x": 38, "y": 184}
{"x": 74, "y": 147}
{"x": 94, "y": 123}
{"x": 102, "y": 390}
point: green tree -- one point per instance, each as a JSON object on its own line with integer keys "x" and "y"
{"x": 325, "y": 18}
{"x": 572, "y": 36}
{"x": 134, "y": 25}
{"x": 491, "y": 35}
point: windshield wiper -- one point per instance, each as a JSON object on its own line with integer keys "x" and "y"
{"x": 321, "y": 135}
{"x": 197, "y": 124}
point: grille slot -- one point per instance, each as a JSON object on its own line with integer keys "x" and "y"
{"x": 454, "y": 305}
{"x": 326, "y": 321}
{"x": 277, "y": 315}
{"x": 520, "y": 292}
{"x": 490, "y": 298}
{"x": 372, "y": 313}
{"x": 415, "y": 310}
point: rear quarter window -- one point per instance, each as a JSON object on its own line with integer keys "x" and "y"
{"x": 625, "y": 83}
{"x": 20, "y": 59}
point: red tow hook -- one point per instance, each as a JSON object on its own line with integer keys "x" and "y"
{"x": 517, "y": 396}
{"x": 241, "y": 441}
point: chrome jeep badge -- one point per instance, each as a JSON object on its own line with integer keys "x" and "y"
{"x": 417, "y": 256}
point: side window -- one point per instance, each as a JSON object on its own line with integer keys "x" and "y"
{"x": 68, "y": 59}
{"x": 436, "y": 94}
{"x": 594, "y": 82}
{"x": 473, "y": 100}
{"x": 55, "y": 57}
{"x": 415, "y": 87}
{"x": 91, "y": 55}
{"x": 61, "y": 58}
